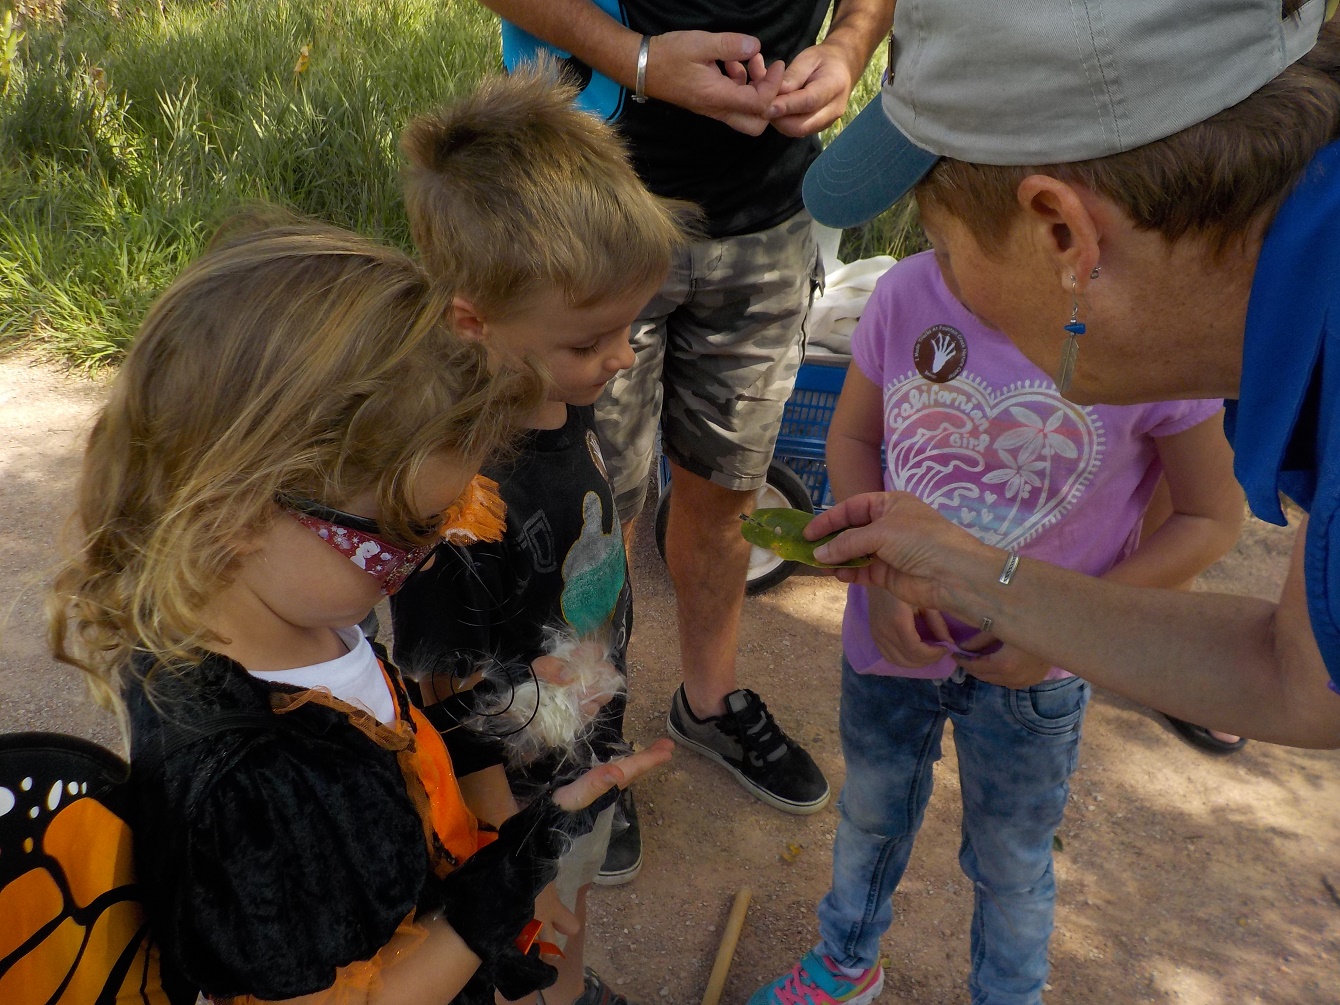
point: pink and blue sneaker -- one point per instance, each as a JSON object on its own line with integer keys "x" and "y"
{"x": 817, "y": 980}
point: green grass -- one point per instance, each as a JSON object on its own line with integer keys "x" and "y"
{"x": 129, "y": 132}
{"x": 127, "y": 136}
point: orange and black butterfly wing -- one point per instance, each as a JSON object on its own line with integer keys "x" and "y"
{"x": 72, "y": 930}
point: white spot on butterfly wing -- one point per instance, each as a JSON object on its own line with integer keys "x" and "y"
{"x": 26, "y": 784}
{"x": 72, "y": 788}
{"x": 7, "y": 800}
{"x": 53, "y": 797}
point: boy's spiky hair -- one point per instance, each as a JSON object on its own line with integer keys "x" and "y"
{"x": 513, "y": 191}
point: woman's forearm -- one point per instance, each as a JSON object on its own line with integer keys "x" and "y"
{"x": 1236, "y": 664}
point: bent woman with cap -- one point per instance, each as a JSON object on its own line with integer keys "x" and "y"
{"x": 1146, "y": 203}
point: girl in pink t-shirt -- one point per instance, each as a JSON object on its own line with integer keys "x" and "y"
{"x": 942, "y": 406}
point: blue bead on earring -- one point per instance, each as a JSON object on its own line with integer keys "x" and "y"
{"x": 1070, "y": 351}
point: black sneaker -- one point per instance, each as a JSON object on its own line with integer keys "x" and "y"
{"x": 748, "y": 741}
{"x": 597, "y": 992}
{"x": 623, "y": 861}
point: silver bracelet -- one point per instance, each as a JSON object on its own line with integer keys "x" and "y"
{"x": 640, "y": 88}
{"x": 1006, "y": 575}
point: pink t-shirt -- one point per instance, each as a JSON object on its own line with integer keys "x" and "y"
{"x": 995, "y": 448}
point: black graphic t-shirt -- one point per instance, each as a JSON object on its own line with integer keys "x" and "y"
{"x": 561, "y": 564}
{"x": 744, "y": 184}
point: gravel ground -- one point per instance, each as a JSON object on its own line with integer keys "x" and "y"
{"x": 1183, "y": 878}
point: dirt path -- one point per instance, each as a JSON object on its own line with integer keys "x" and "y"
{"x": 1183, "y": 878}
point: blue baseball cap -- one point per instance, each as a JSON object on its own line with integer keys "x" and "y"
{"x": 1047, "y": 82}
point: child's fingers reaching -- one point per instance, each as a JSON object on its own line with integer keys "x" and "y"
{"x": 593, "y": 784}
{"x": 769, "y": 82}
{"x": 589, "y": 787}
{"x": 634, "y": 766}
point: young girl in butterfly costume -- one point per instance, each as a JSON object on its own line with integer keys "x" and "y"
{"x": 277, "y": 454}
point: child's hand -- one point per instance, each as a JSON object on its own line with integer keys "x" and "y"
{"x": 556, "y": 670}
{"x": 550, "y": 910}
{"x": 623, "y": 772}
{"x": 893, "y": 626}
{"x": 1007, "y": 667}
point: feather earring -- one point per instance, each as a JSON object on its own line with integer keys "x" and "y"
{"x": 1070, "y": 351}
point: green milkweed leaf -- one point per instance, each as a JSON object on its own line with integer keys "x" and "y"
{"x": 782, "y": 532}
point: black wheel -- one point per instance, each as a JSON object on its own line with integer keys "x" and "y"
{"x": 784, "y": 488}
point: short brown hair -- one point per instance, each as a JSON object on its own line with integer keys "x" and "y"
{"x": 1218, "y": 178}
{"x": 300, "y": 360}
{"x": 514, "y": 189}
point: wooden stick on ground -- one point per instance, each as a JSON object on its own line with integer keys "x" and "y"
{"x": 729, "y": 938}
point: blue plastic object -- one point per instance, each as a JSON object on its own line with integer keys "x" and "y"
{"x": 800, "y": 445}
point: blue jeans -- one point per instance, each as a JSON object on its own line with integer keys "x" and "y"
{"x": 1016, "y": 752}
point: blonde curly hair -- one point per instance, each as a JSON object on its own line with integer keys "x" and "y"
{"x": 298, "y": 359}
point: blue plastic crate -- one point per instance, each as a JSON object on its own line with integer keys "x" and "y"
{"x": 800, "y": 444}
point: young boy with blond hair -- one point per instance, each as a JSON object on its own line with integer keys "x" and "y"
{"x": 528, "y": 211}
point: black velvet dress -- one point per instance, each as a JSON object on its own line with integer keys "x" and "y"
{"x": 272, "y": 848}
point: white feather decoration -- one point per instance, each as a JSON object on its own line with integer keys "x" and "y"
{"x": 553, "y": 710}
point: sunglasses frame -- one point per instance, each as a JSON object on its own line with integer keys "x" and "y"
{"x": 393, "y": 579}
{"x": 350, "y": 521}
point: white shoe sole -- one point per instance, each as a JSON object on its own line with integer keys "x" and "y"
{"x": 866, "y": 997}
{"x": 757, "y": 791}
{"x": 618, "y": 878}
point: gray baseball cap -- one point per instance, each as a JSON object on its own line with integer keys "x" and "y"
{"x": 1046, "y": 82}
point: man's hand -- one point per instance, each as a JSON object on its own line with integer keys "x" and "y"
{"x": 893, "y": 626}
{"x": 682, "y": 68}
{"x": 1007, "y": 667}
{"x": 814, "y": 90}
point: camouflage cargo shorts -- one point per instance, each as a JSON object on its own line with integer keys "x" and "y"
{"x": 717, "y": 354}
